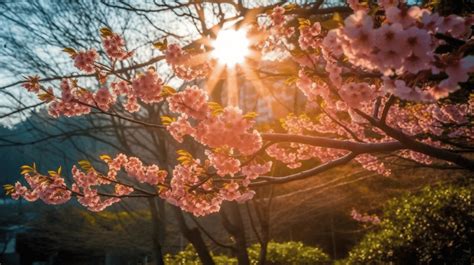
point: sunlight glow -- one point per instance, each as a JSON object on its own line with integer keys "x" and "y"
{"x": 231, "y": 47}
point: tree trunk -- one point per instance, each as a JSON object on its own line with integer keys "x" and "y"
{"x": 262, "y": 258}
{"x": 156, "y": 224}
{"x": 237, "y": 230}
{"x": 193, "y": 235}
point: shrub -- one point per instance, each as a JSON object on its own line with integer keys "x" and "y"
{"x": 287, "y": 253}
{"x": 433, "y": 227}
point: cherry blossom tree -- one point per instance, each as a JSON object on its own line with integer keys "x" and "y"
{"x": 379, "y": 78}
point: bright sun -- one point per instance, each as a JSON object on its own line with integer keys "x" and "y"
{"x": 231, "y": 47}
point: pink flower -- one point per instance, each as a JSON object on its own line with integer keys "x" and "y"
{"x": 84, "y": 60}
{"x": 246, "y": 196}
{"x": 229, "y": 129}
{"x": 389, "y": 36}
{"x": 148, "y": 86}
{"x": 20, "y": 190}
{"x": 192, "y": 101}
{"x": 401, "y": 90}
{"x": 416, "y": 63}
{"x": 175, "y": 55}
{"x": 114, "y": 47}
{"x": 431, "y": 21}
{"x": 405, "y": 16}
{"x": 458, "y": 70}
{"x": 277, "y": 16}
{"x": 192, "y": 72}
{"x": 103, "y": 98}
{"x": 121, "y": 190}
{"x": 356, "y": 93}
{"x": 331, "y": 43}
{"x": 416, "y": 40}
{"x": 456, "y": 26}
{"x": 309, "y": 36}
{"x": 253, "y": 171}
{"x": 225, "y": 164}
{"x": 364, "y": 218}
{"x": 178, "y": 129}
{"x": 230, "y": 191}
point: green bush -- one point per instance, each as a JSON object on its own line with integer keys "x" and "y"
{"x": 432, "y": 227}
{"x": 288, "y": 253}
{"x": 189, "y": 257}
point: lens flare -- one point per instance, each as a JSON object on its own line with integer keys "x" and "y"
{"x": 231, "y": 47}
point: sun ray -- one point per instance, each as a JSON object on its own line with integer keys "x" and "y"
{"x": 232, "y": 89}
{"x": 215, "y": 76}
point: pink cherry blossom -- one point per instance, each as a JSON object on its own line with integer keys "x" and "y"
{"x": 114, "y": 46}
{"x": 364, "y": 218}
{"x": 175, "y": 55}
{"x": 192, "y": 101}
{"x": 354, "y": 94}
{"x": 277, "y": 16}
{"x": 309, "y": 36}
{"x": 223, "y": 163}
{"x": 181, "y": 127}
{"x": 147, "y": 86}
{"x": 405, "y": 16}
{"x": 104, "y": 98}
{"x": 84, "y": 60}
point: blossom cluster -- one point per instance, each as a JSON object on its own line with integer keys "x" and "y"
{"x": 74, "y": 101}
{"x": 229, "y": 128}
{"x": 364, "y": 218}
{"x": 84, "y": 60}
{"x": 193, "y": 191}
{"x": 114, "y": 46}
{"x": 50, "y": 189}
{"x": 184, "y": 65}
{"x": 404, "y": 45}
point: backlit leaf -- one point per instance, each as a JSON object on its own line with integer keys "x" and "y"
{"x": 216, "y": 108}
{"x": 70, "y": 51}
{"x": 85, "y": 165}
{"x": 184, "y": 157}
{"x": 167, "y": 120}
{"x": 250, "y": 115}
{"x": 106, "y": 32}
{"x": 167, "y": 91}
{"x": 9, "y": 189}
{"x": 335, "y": 22}
{"x": 161, "y": 45}
{"x": 105, "y": 158}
